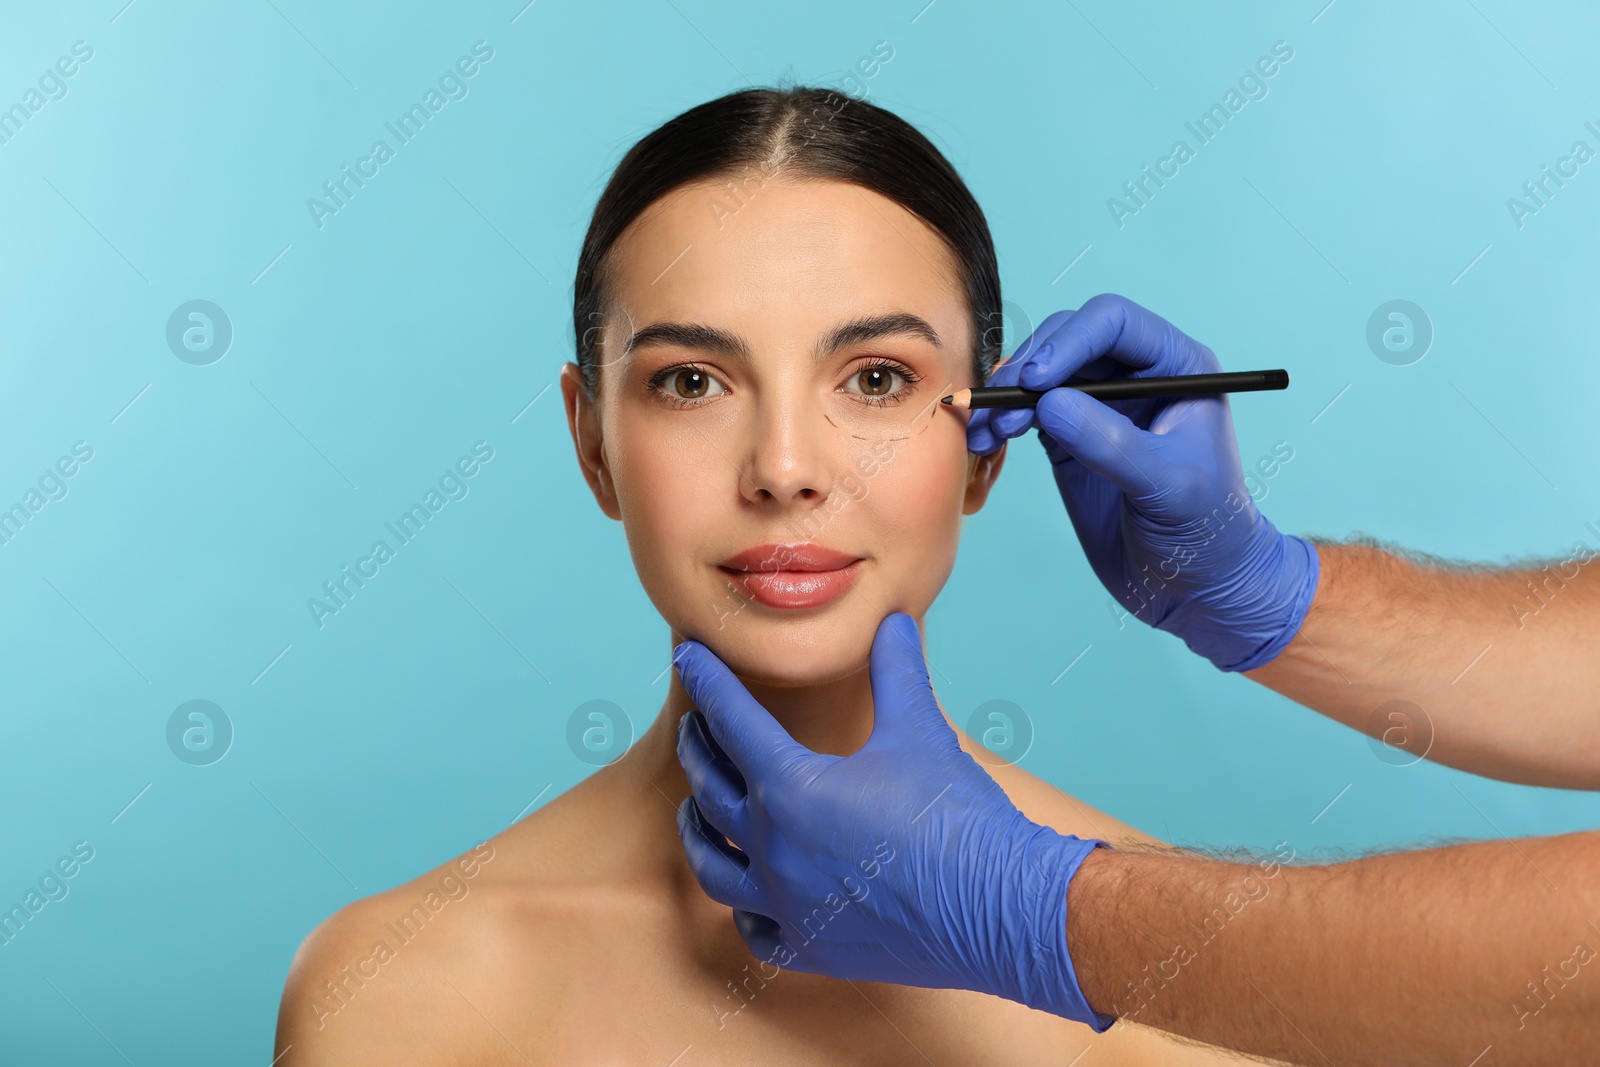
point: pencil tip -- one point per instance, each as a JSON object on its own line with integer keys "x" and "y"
{"x": 947, "y": 399}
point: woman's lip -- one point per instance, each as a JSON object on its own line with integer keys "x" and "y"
{"x": 769, "y": 558}
{"x": 796, "y": 589}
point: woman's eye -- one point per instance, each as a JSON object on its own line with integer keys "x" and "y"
{"x": 875, "y": 382}
{"x": 684, "y": 385}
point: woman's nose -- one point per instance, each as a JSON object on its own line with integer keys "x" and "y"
{"x": 789, "y": 456}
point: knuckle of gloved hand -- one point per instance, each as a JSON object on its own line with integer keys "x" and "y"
{"x": 1058, "y": 411}
{"x": 1053, "y": 322}
{"x": 763, "y": 797}
{"x": 1107, "y": 310}
{"x": 1115, "y": 434}
{"x": 1018, "y": 421}
{"x": 784, "y": 887}
{"x": 715, "y": 809}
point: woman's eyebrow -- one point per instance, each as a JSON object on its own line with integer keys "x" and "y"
{"x": 734, "y": 347}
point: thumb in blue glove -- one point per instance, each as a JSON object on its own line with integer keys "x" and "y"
{"x": 903, "y": 862}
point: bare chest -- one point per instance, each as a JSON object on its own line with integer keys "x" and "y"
{"x": 669, "y": 994}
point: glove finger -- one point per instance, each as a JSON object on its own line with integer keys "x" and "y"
{"x": 759, "y": 747}
{"x": 980, "y": 439}
{"x": 1042, "y": 333}
{"x": 1142, "y": 413}
{"x": 1101, "y": 439}
{"x": 1010, "y": 422}
{"x": 982, "y": 435}
{"x": 764, "y": 937}
{"x": 1184, "y": 408}
{"x": 719, "y": 789}
{"x": 1111, "y": 325}
{"x": 1094, "y": 504}
{"x": 722, "y": 870}
{"x": 903, "y": 703}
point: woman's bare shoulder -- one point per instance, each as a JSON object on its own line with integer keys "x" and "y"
{"x": 430, "y": 963}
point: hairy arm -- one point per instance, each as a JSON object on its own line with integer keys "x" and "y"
{"x": 1492, "y": 670}
{"x": 1426, "y": 957}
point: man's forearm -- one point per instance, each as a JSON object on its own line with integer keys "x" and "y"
{"x": 1417, "y": 957}
{"x": 1494, "y": 671}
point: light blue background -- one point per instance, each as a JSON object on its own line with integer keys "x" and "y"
{"x": 370, "y": 353}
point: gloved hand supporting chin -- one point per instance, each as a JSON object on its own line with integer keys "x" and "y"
{"x": 903, "y": 862}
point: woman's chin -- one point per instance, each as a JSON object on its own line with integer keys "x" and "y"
{"x": 795, "y": 654}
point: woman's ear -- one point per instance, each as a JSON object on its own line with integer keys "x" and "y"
{"x": 981, "y": 473}
{"x": 583, "y": 419}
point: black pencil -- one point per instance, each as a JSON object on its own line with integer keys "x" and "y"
{"x": 1240, "y": 381}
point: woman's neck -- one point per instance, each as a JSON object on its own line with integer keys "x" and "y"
{"x": 834, "y": 718}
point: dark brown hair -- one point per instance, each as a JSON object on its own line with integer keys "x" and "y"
{"x": 804, "y": 133}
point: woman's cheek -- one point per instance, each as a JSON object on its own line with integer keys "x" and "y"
{"x": 666, "y": 498}
{"x": 919, "y": 507}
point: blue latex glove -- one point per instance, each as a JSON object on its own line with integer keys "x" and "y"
{"x": 903, "y": 862}
{"x": 1154, "y": 487}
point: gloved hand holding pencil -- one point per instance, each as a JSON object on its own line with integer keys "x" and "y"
{"x": 1154, "y": 487}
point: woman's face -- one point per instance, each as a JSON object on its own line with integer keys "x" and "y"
{"x": 771, "y": 377}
